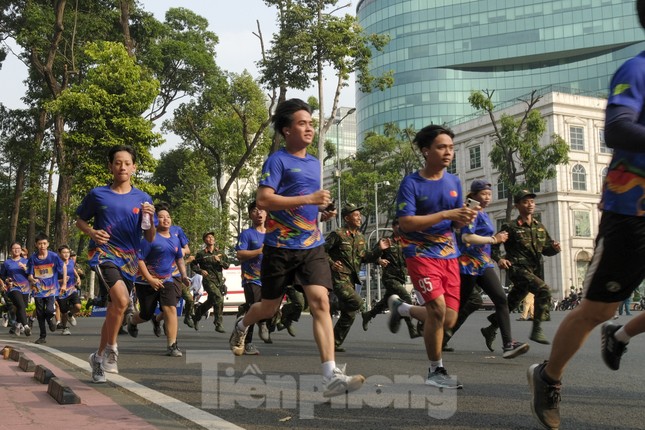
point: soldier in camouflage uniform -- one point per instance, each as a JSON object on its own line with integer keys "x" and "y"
{"x": 394, "y": 278}
{"x": 210, "y": 262}
{"x": 528, "y": 240}
{"x": 347, "y": 250}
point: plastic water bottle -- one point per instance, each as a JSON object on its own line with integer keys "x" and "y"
{"x": 146, "y": 222}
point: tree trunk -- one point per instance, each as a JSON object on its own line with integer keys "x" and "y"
{"x": 17, "y": 198}
{"x": 50, "y": 180}
{"x": 61, "y": 221}
{"x": 125, "y": 26}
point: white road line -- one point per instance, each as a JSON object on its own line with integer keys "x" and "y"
{"x": 177, "y": 407}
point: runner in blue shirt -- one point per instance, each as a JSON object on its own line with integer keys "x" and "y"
{"x": 616, "y": 268}
{"x": 13, "y": 276}
{"x": 117, "y": 211}
{"x": 186, "y": 294}
{"x": 159, "y": 261}
{"x": 294, "y": 254}
{"x": 69, "y": 299}
{"x": 44, "y": 268}
{"x": 429, "y": 207}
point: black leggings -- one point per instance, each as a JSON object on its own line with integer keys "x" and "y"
{"x": 20, "y": 301}
{"x": 491, "y": 285}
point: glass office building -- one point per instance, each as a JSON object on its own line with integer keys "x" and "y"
{"x": 441, "y": 50}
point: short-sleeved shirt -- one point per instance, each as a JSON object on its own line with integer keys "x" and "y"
{"x": 71, "y": 279}
{"x": 120, "y": 216}
{"x": 289, "y": 176}
{"x": 474, "y": 259}
{"x": 178, "y": 232}
{"x": 250, "y": 240}
{"x": 47, "y": 271}
{"x": 160, "y": 256}
{"x": 623, "y": 192}
{"x": 12, "y": 269}
{"x": 420, "y": 196}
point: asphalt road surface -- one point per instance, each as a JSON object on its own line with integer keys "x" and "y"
{"x": 281, "y": 387}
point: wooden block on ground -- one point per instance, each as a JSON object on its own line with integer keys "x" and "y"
{"x": 26, "y": 364}
{"x": 62, "y": 393}
{"x": 43, "y": 374}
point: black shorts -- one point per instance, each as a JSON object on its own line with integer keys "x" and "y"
{"x": 617, "y": 267}
{"x": 298, "y": 267}
{"x": 108, "y": 275}
{"x": 148, "y": 298}
{"x": 66, "y": 304}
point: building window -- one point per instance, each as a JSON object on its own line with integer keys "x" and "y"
{"x": 452, "y": 168}
{"x": 577, "y": 138}
{"x": 582, "y": 264}
{"x": 579, "y": 178}
{"x": 604, "y": 149}
{"x": 502, "y": 191}
{"x": 475, "y": 157}
{"x": 582, "y": 223}
{"x": 603, "y": 175}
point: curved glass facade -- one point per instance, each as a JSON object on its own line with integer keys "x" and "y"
{"x": 441, "y": 50}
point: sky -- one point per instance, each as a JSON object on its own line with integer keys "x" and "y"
{"x": 238, "y": 49}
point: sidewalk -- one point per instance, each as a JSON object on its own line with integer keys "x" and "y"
{"x": 25, "y": 404}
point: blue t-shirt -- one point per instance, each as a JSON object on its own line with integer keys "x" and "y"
{"x": 46, "y": 271}
{"x": 160, "y": 256}
{"x": 474, "y": 259}
{"x": 16, "y": 270}
{"x": 624, "y": 190}
{"x": 71, "y": 279}
{"x": 178, "y": 232}
{"x": 250, "y": 240}
{"x": 420, "y": 196}
{"x": 120, "y": 216}
{"x": 290, "y": 176}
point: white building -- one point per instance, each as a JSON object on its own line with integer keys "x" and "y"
{"x": 567, "y": 204}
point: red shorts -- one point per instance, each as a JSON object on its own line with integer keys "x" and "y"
{"x": 434, "y": 277}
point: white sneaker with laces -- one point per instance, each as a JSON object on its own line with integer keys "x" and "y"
{"x": 110, "y": 358}
{"x": 71, "y": 319}
{"x": 66, "y": 332}
{"x": 340, "y": 383}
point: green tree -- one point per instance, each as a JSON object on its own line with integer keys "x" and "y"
{"x": 106, "y": 110}
{"x": 518, "y": 156}
{"x": 311, "y": 38}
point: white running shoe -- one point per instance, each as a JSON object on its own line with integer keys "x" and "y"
{"x": 340, "y": 383}
{"x": 110, "y": 358}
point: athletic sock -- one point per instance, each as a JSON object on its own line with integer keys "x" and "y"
{"x": 435, "y": 364}
{"x": 404, "y": 309}
{"x": 240, "y": 325}
{"x": 328, "y": 369}
{"x": 622, "y": 336}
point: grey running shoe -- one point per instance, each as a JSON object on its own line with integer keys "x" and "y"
{"x": 156, "y": 327}
{"x": 133, "y": 330}
{"x": 110, "y": 359}
{"x": 250, "y": 349}
{"x": 440, "y": 378}
{"x": 264, "y": 333}
{"x": 27, "y": 330}
{"x": 393, "y": 302}
{"x": 71, "y": 319}
{"x": 17, "y": 329}
{"x": 515, "y": 349}
{"x": 340, "y": 383}
{"x": 489, "y": 333}
{"x": 174, "y": 351}
{"x": 52, "y": 324}
{"x": 189, "y": 321}
{"x": 236, "y": 340}
{"x": 98, "y": 376}
{"x": 612, "y": 349}
{"x": 545, "y": 398}
{"x": 66, "y": 332}
{"x": 40, "y": 340}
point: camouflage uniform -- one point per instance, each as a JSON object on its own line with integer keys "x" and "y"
{"x": 525, "y": 247}
{"x": 213, "y": 284}
{"x": 350, "y": 249}
{"x": 394, "y": 278}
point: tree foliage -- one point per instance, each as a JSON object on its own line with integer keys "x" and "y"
{"x": 517, "y": 153}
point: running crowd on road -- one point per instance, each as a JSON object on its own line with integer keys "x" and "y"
{"x": 443, "y": 241}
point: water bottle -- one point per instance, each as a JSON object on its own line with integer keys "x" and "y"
{"x": 146, "y": 222}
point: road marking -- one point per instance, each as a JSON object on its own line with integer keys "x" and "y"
{"x": 177, "y": 407}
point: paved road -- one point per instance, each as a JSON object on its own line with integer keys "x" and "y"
{"x": 495, "y": 393}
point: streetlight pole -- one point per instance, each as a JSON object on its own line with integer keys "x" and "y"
{"x": 378, "y": 274}
{"x": 338, "y": 167}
